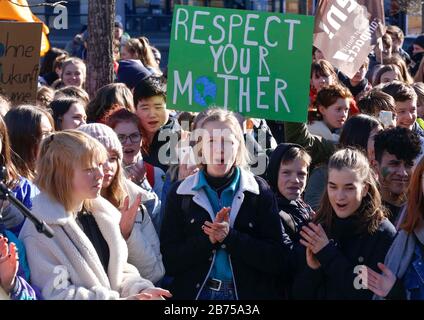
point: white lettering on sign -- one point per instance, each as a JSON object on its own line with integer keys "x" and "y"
{"x": 336, "y": 15}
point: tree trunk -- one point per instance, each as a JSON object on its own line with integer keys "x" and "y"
{"x": 422, "y": 17}
{"x": 101, "y": 18}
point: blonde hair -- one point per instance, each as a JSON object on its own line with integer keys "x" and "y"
{"x": 401, "y": 64}
{"x": 59, "y": 155}
{"x": 384, "y": 69}
{"x": 76, "y": 62}
{"x": 140, "y": 47}
{"x": 116, "y": 191}
{"x": 220, "y": 115}
{"x": 4, "y": 105}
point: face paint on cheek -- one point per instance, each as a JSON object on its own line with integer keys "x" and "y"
{"x": 385, "y": 172}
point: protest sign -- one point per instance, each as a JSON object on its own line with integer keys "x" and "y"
{"x": 250, "y": 62}
{"x": 347, "y": 31}
{"x": 19, "y": 60}
{"x": 20, "y": 11}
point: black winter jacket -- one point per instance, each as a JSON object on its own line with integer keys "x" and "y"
{"x": 257, "y": 246}
{"x": 294, "y": 214}
{"x": 167, "y": 137}
{"x": 338, "y": 274}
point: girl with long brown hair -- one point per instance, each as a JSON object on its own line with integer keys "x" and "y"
{"x": 139, "y": 48}
{"x": 108, "y": 99}
{"x": 27, "y": 126}
{"x": 10, "y": 217}
{"x": 13, "y": 274}
{"x": 349, "y": 230}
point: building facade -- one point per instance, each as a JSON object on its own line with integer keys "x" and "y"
{"x": 153, "y": 18}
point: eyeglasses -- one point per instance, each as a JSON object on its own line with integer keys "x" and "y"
{"x": 134, "y": 137}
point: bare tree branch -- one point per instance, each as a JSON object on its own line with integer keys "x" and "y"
{"x": 44, "y": 4}
{"x": 412, "y": 7}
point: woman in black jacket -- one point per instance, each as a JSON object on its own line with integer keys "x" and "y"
{"x": 221, "y": 238}
{"x": 350, "y": 232}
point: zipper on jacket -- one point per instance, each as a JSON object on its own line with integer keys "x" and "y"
{"x": 234, "y": 278}
{"x": 207, "y": 276}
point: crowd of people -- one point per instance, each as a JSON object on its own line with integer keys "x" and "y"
{"x": 150, "y": 203}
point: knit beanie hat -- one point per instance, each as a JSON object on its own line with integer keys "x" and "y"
{"x": 419, "y": 41}
{"x": 105, "y": 135}
{"x": 132, "y": 72}
{"x": 119, "y": 25}
{"x": 274, "y": 163}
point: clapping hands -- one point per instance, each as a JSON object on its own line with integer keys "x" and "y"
{"x": 314, "y": 239}
{"x": 220, "y": 227}
{"x": 9, "y": 263}
{"x": 128, "y": 215}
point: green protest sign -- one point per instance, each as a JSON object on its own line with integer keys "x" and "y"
{"x": 256, "y": 63}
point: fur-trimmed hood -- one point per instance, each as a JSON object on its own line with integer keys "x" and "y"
{"x": 71, "y": 251}
{"x": 247, "y": 184}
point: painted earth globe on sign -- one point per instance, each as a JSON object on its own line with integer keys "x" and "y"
{"x": 204, "y": 91}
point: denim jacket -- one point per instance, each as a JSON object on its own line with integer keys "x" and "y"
{"x": 414, "y": 277}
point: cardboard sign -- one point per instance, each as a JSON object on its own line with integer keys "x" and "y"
{"x": 250, "y": 62}
{"x": 347, "y": 31}
{"x": 19, "y": 60}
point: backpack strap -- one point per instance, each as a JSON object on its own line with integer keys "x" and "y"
{"x": 150, "y": 173}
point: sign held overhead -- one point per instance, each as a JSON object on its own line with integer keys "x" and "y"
{"x": 250, "y": 62}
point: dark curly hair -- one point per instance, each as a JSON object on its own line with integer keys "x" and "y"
{"x": 401, "y": 142}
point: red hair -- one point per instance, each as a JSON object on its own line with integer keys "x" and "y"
{"x": 115, "y": 108}
{"x": 415, "y": 206}
{"x": 123, "y": 115}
